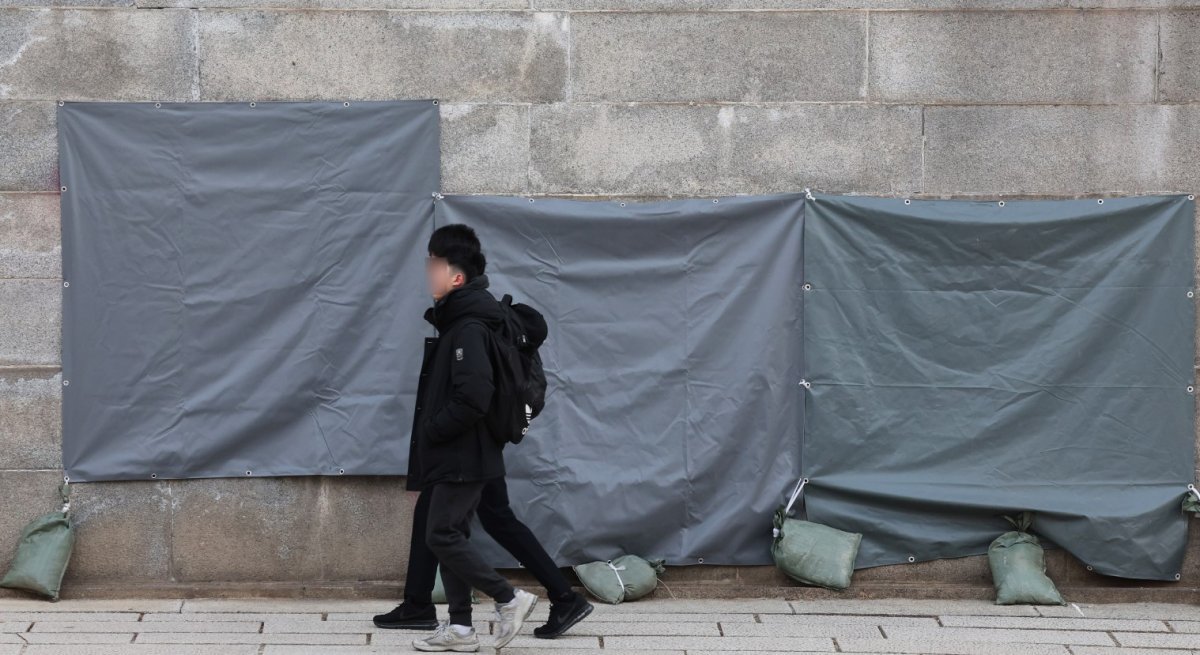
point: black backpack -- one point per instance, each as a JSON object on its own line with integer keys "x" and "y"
{"x": 517, "y": 369}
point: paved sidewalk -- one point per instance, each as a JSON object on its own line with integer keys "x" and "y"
{"x": 694, "y": 627}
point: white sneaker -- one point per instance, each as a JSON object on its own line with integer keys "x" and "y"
{"x": 446, "y": 638}
{"x": 511, "y": 616}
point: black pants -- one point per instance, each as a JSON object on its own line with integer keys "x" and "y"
{"x": 498, "y": 520}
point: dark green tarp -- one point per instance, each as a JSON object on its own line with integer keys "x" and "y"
{"x": 973, "y": 359}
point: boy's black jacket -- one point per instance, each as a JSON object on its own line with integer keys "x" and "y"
{"x": 450, "y": 442}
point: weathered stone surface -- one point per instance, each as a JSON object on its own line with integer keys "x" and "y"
{"x": 253, "y": 529}
{"x": 29, "y": 235}
{"x": 485, "y": 148}
{"x": 366, "y": 523}
{"x": 30, "y": 320}
{"x": 28, "y": 146}
{"x": 1179, "y": 76}
{"x": 687, "y": 5}
{"x": 456, "y": 56}
{"x": 30, "y": 419}
{"x": 123, "y": 532}
{"x": 700, "y": 150}
{"x": 729, "y": 56}
{"x": 1013, "y": 57}
{"x": 109, "y": 54}
{"x": 1062, "y": 150}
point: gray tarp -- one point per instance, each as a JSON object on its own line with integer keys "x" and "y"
{"x": 671, "y": 424}
{"x": 243, "y": 286}
{"x": 969, "y": 359}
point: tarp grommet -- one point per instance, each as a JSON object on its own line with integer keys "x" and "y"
{"x": 66, "y": 284}
{"x": 807, "y": 286}
{"x": 1177, "y": 576}
{"x": 435, "y": 102}
{"x": 699, "y": 560}
{"x": 621, "y": 204}
{"x": 911, "y": 559}
{"x": 345, "y": 104}
{"x": 806, "y": 384}
{"x": 253, "y": 104}
{"x": 531, "y": 200}
{"x": 1089, "y": 567}
{"x": 158, "y": 105}
{"x": 1000, "y": 204}
{"x": 907, "y": 201}
{"x": 341, "y": 471}
{"x": 66, "y": 382}
{"x": 1099, "y": 201}
{"x": 1190, "y": 196}
{"x": 247, "y": 472}
{"x": 61, "y": 103}
{"x": 1191, "y": 294}
{"x": 63, "y": 189}
{"x": 715, "y": 201}
{"x": 1191, "y": 389}
{"x": 153, "y": 476}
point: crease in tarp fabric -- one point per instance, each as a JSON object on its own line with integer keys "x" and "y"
{"x": 973, "y": 359}
{"x": 671, "y": 422}
{"x": 243, "y": 286}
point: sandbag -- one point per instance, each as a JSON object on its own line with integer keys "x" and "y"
{"x": 812, "y": 553}
{"x": 439, "y": 590}
{"x": 628, "y": 577}
{"x": 43, "y": 553}
{"x": 1018, "y": 566}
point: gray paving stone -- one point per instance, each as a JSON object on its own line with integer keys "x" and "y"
{"x": 1001, "y": 635}
{"x": 87, "y": 605}
{"x": 31, "y": 617}
{"x": 1100, "y": 650}
{"x": 78, "y": 637}
{"x": 139, "y": 626}
{"x": 800, "y": 629}
{"x": 911, "y": 607}
{"x": 1141, "y": 625}
{"x": 721, "y": 643}
{"x": 1155, "y": 640}
{"x": 141, "y": 649}
{"x": 948, "y": 647}
{"x": 1124, "y": 610}
{"x": 848, "y": 620}
{"x": 247, "y": 638}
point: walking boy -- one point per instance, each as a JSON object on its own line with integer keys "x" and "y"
{"x": 454, "y": 456}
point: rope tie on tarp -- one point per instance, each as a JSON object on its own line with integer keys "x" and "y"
{"x": 791, "y": 501}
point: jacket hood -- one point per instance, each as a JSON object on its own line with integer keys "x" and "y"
{"x": 471, "y": 300}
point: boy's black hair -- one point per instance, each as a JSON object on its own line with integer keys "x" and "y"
{"x": 458, "y": 244}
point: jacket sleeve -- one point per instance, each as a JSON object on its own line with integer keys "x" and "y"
{"x": 471, "y": 386}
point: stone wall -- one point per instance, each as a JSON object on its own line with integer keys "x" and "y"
{"x": 597, "y": 98}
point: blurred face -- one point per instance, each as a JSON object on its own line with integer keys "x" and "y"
{"x": 441, "y": 277}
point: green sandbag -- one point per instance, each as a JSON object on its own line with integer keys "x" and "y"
{"x": 812, "y": 553}
{"x": 628, "y": 577}
{"x": 1190, "y": 502}
{"x": 43, "y": 553}
{"x": 439, "y": 590}
{"x": 1019, "y": 567}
